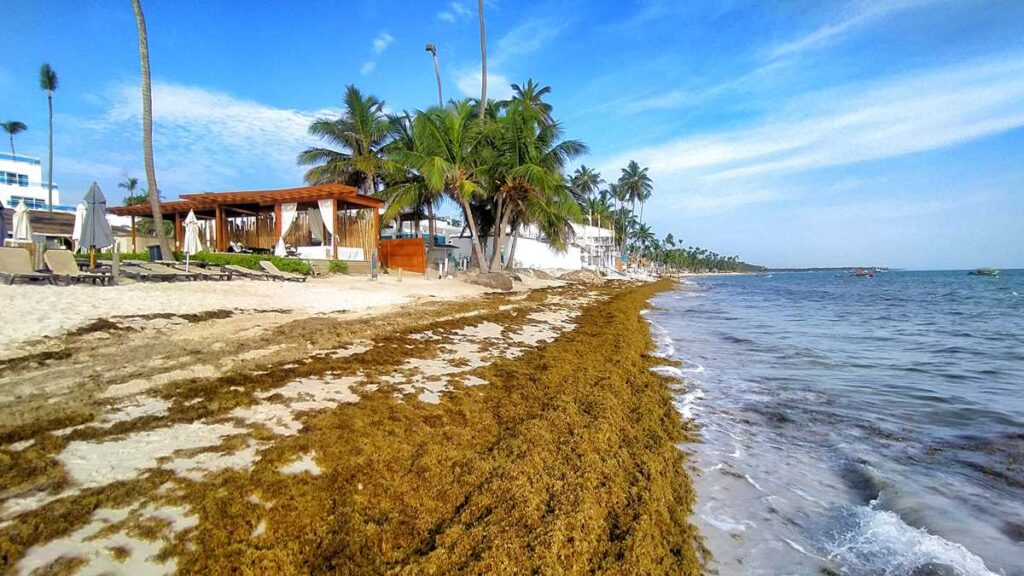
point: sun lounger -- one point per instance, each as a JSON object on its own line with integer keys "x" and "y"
{"x": 16, "y": 264}
{"x": 63, "y": 265}
{"x": 203, "y": 273}
{"x": 246, "y": 272}
{"x": 136, "y": 272}
{"x": 161, "y": 269}
{"x": 271, "y": 269}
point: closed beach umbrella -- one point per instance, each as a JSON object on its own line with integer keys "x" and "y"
{"x": 76, "y": 233}
{"x": 96, "y": 229}
{"x": 22, "y": 226}
{"x": 193, "y": 242}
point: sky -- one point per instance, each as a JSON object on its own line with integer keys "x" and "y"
{"x": 789, "y": 133}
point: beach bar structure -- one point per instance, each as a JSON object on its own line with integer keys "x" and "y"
{"x": 322, "y": 222}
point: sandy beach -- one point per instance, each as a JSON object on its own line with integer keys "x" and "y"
{"x": 341, "y": 425}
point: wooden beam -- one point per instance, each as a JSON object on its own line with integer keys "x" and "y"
{"x": 277, "y": 225}
{"x": 134, "y": 247}
{"x": 334, "y": 236}
{"x": 218, "y": 230}
{"x": 177, "y": 231}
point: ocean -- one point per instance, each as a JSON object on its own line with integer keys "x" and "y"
{"x": 853, "y": 425}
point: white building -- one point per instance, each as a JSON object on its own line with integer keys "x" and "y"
{"x": 591, "y": 247}
{"x": 21, "y": 178}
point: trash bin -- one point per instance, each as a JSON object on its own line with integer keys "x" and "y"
{"x": 154, "y": 253}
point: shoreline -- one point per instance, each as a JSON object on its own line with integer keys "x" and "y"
{"x": 466, "y": 440}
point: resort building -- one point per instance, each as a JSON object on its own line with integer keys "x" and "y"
{"x": 591, "y": 247}
{"x": 321, "y": 222}
{"x": 21, "y": 179}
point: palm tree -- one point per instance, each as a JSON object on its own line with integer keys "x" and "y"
{"x": 147, "y": 133}
{"x": 13, "y": 127}
{"x": 532, "y": 94}
{"x": 643, "y": 197}
{"x": 360, "y": 135}
{"x": 437, "y": 72}
{"x": 130, "y": 185}
{"x": 584, "y": 183}
{"x": 444, "y": 155}
{"x": 483, "y": 60}
{"x": 526, "y": 166}
{"x": 48, "y": 82}
{"x": 635, "y": 183}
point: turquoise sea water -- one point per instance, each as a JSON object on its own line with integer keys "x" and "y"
{"x": 859, "y": 426}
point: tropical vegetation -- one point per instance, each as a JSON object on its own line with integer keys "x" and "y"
{"x": 48, "y": 83}
{"x": 13, "y": 127}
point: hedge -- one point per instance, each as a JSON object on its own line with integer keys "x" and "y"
{"x": 251, "y": 261}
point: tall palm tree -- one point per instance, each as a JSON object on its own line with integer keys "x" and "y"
{"x": 129, "y": 185}
{"x": 13, "y": 127}
{"x": 437, "y": 73}
{"x": 360, "y": 135}
{"x": 48, "y": 83}
{"x": 444, "y": 154}
{"x": 634, "y": 183}
{"x": 642, "y": 198}
{"x": 483, "y": 60}
{"x": 147, "y": 133}
{"x": 584, "y": 183}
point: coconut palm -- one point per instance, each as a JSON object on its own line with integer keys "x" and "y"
{"x": 444, "y": 154}
{"x": 13, "y": 127}
{"x": 129, "y": 185}
{"x": 634, "y": 184}
{"x": 585, "y": 182}
{"x": 358, "y": 138}
{"x": 526, "y": 166}
{"x": 532, "y": 94}
{"x": 483, "y": 60}
{"x": 147, "y": 133}
{"x": 48, "y": 83}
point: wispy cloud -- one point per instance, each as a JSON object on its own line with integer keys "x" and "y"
{"x": 203, "y": 140}
{"x": 902, "y": 115}
{"x": 522, "y": 40}
{"x": 367, "y": 67}
{"x": 382, "y": 41}
{"x": 456, "y": 11}
{"x": 499, "y": 87}
{"x": 861, "y": 15}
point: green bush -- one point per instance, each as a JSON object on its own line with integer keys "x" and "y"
{"x": 252, "y": 261}
{"x": 337, "y": 267}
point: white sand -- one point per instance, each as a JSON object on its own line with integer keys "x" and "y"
{"x": 50, "y": 310}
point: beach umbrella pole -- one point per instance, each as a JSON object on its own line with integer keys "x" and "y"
{"x": 92, "y": 258}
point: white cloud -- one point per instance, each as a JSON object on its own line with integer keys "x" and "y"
{"x": 897, "y": 116}
{"x": 446, "y": 17}
{"x": 203, "y": 140}
{"x": 382, "y": 41}
{"x": 456, "y": 11}
{"x": 498, "y": 86}
{"x": 526, "y": 39}
{"x": 865, "y": 13}
{"x": 367, "y": 67}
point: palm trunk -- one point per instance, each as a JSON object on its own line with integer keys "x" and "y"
{"x": 430, "y": 242}
{"x": 13, "y": 153}
{"x": 512, "y": 251}
{"x": 483, "y": 60}
{"x": 437, "y": 73}
{"x": 499, "y": 235}
{"x": 471, "y": 222}
{"x": 49, "y": 167}
{"x": 147, "y": 134}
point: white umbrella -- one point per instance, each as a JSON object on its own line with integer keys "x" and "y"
{"x": 193, "y": 243}
{"x": 22, "y": 226}
{"x": 76, "y": 233}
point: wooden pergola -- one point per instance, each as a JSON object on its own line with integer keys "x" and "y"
{"x": 221, "y": 206}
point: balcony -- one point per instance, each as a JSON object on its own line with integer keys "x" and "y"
{"x": 19, "y": 158}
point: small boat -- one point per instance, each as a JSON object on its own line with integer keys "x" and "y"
{"x": 862, "y": 273}
{"x": 983, "y": 272}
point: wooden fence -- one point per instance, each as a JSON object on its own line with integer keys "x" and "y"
{"x": 409, "y": 254}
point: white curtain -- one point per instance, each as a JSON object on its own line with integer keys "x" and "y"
{"x": 327, "y": 214}
{"x": 288, "y": 212}
{"x": 316, "y": 224}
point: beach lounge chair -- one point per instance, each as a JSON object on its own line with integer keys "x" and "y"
{"x": 161, "y": 269}
{"x": 271, "y": 269}
{"x": 16, "y": 264}
{"x": 135, "y": 272}
{"x": 203, "y": 273}
{"x": 63, "y": 265}
{"x": 246, "y": 272}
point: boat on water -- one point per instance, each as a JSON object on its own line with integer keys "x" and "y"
{"x": 862, "y": 273}
{"x": 983, "y": 272}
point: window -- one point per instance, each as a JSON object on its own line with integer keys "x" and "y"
{"x": 23, "y": 180}
{"x": 8, "y": 178}
{"x": 30, "y": 203}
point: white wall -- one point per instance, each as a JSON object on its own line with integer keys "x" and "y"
{"x": 529, "y": 254}
{"x": 28, "y": 166}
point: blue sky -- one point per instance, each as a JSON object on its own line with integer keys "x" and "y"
{"x": 797, "y": 133}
